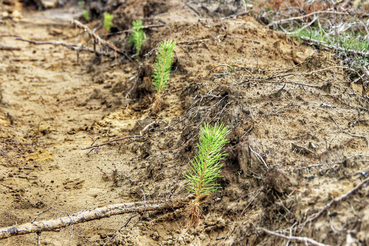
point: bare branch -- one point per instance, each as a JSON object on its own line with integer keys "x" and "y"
{"x": 84, "y": 216}
{"x": 101, "y": 41}
{"x": 304, "y": 16}
{"x": 77, "y": 47}
{"x": 337, "y": 200}
{"x": 258, "y": 157}
{"x": 292, "y": 238}
{"x": 193, "y": 9}
{"x": 310, "y": 73}
{"x": 325, "y": 45}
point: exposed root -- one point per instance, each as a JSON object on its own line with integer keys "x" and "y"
{"x": 195, "y": 214}
{"x": 156, "y": 104}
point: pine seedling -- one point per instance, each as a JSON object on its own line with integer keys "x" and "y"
{"x": 163, "y": 65}
{"x": 108, "y": 18}
{"x": 138, "y": 36}
{"x": 205, "y": 167}
{"x": 86, "y": 15}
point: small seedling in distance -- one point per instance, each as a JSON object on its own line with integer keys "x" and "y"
{"x": 86, "y": 15}
{"x": 138, "y": 36}
{"x": 108, "y": 21}
{"x": 205, "y": 167}
{"x": 163, "y": 65}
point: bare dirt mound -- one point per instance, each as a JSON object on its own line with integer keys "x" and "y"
{"x": 299, "y": 133}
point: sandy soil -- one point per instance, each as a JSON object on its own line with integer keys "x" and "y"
{"x": 288, "y": 102}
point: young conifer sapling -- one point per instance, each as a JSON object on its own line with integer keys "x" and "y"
{"x": 108, "y": 18}
{"x": 205, "y": 167}
{"x": 163, "y": 65}
{"x": 138, "y": 37}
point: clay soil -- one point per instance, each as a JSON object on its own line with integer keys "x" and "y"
{"x": 291, "y": 104}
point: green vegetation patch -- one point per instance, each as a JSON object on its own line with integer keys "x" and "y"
{"x": 108, "y": 18}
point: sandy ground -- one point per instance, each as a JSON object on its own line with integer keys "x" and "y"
{"x": 289, "y": 103}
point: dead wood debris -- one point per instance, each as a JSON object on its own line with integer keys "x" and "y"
{"x": 337, "y": 200}
{"x": 307, "y": 15}
{"x": 93, "y": 214}
{"x": 98, "y": 40}
{"x": 293, "y": 238}
{"x": 331, "y": 47}
{"x": 77, "y": 47}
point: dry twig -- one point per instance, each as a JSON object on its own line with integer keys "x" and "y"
{"x": 307, "y": 15}
{"x": 337, "y": 200}
{"x": 258, "y": 156}
{"x": 309, "y": 73}
{"x": 98, "y": 40}
{"x": 193, "y": 9}
{"x": 292, "y": 238}
{"x": 77, "y": 47}
{"x": 331, "y": 47}
{"x": 118, "y": 231}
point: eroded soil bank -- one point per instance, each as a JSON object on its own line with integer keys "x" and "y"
{"x": 287, "y": 102}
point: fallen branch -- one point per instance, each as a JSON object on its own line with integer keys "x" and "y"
{"x": 310, "y": 73}
{"x": 322, "y": 87}
{"x": 77, "y": 47}
{"x": 101, "y": 41}
{"x": 193, "y": 9}
{"x": 307, "y": 15}
{"x": 292, "y": 238}
{"x": 337, "y": 200}
{"x": 325, "y": 45}
{"x": 84, "y": 216}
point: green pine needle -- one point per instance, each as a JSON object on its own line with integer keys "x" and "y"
{"x": 163, "y": 64}
{"x": 205, "y": 168}
{"x": 138, "y": 37}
